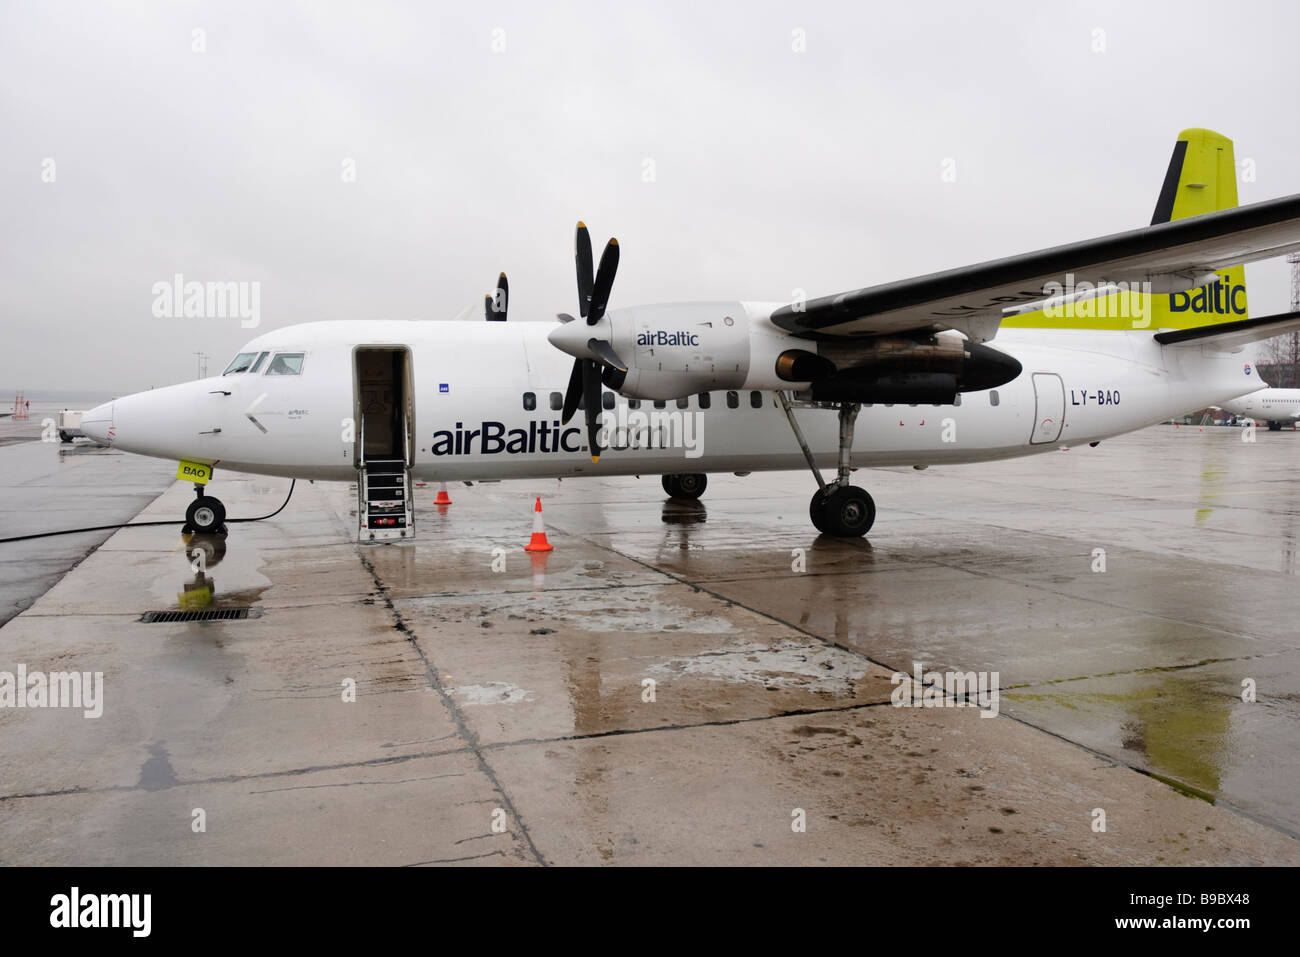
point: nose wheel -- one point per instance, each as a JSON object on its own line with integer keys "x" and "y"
{"x": 837, "y": 508}
{"x": 206, "y": 515}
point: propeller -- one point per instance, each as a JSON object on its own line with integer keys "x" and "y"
{"x": 496, "y": 306}
{"x": 600, "y": 361}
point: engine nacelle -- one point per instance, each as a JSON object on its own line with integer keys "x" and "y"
{"x": 679, "y": 349}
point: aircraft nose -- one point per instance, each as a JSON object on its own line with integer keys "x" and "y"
{"x": 97, "y": 424}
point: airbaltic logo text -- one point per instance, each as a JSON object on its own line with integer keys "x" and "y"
{"x": 58, "y": 689}
{"x": 947, "y": 689}
{"x": 661, "y": 338}
{"x": 493, "y": 438}
{"x": 1218, "y": 297}
{"x": 102, "y": 910}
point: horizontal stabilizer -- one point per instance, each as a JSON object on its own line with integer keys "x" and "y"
{"x": 1232, "y": 335}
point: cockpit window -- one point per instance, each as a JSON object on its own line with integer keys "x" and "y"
{"x": 240, "y": 363}
{"x": 258, "y": 364}
{"x": 286, "y": 363}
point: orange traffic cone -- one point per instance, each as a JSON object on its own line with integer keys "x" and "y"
{"x": 442, "y": 498}
{"x": 538, "y": 542}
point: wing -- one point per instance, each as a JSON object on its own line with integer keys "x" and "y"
{"x": 1230, "y": 336}
{"x": 1173, "y": 257}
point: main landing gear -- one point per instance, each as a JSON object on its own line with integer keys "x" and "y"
{"x": 206, "y": 515}
{"x": 687, "y": 485}
{"x": 837, "y": 508}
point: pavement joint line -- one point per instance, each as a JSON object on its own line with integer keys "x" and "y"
{"x": 1111, "y": 759}
{"x": 455, "y": 860}
{"x": 457, "y": 716}
{"x": 1151, "y": 669}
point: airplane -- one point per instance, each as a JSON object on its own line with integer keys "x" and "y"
{"x": 1050, "y": 349}
{"x": 1277, "y": 407}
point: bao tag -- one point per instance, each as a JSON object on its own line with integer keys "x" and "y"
{"x": 194, "y": 472}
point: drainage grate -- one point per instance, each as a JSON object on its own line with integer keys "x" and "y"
{"x": 206, "y": 614}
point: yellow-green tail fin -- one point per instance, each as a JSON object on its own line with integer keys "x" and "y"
{"x": 1202, "y": 178}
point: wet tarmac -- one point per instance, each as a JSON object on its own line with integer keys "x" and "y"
{"x": 704, "y": 683}
{"x": 50, "y": 486}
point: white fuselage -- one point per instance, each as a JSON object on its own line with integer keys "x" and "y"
{"x": 469, "y": 379}
{"x": 1266, "y": 405}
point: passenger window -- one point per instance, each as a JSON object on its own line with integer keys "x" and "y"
{"x": 706, "y": 400}
{"x": 684, "y": 402}
{"x": 557, "y": 401}
{"x": 733, "y": 400}
{"x": 607, "y": 400}
{"x": 957, "y": 399}
{"x": 993, "y": 397}
{"x": 660, "y": 404}
{"x": 286, "y": 363}
{"x": 530, "y": 401}
{"x": 257, "y": 366}
{"x": 756, "y": 400}
{"x": 634, "y": 403}
{"x": 240, "y": 363}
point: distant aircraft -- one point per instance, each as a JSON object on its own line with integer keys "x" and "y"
{"x": 1093, "y": 339}
{"x": 1277, "y": 407}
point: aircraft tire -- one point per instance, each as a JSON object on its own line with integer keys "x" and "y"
{"x": 848, "y": 512}
{"x": 687, "y": 485}
{"x": 206, "y": 515}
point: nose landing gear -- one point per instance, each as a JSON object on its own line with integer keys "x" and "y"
{"x": 206, "y": 515}
{"x": 837, "y": 508}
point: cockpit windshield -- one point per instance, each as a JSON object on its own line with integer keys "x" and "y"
{"x": 286, "y": 363}
{"x": 241, "y": 363}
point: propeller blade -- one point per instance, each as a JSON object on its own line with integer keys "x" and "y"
{"x": 582, "y": 259}
{"x": 496, "y": 306}
{"x": 613, "y": 378}
{"x": 591, "y": 404}
{"x": 573, "y": 393}
{"x": 564, "y": 317}
{"x": 605, "y": 352}
{"x": 604, "y": 282}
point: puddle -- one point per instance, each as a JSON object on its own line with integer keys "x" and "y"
{"x": 492, "y": 692}
{"x": 785, "y": 665}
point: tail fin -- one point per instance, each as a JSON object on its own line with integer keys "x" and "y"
{"x": 1201, "y": 178}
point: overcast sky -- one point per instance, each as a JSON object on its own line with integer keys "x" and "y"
{"x": 772, "y": 169}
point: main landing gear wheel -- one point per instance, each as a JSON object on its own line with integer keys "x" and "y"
{"x": 206, "y": 515}
{"x": 845, "y": 512}
{"x": 688, "y": 485}
{"x": 837, "y": 508}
